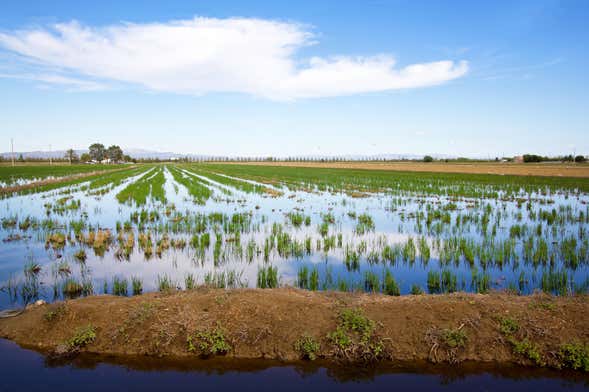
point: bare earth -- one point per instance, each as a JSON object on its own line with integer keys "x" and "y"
{"x": 517, "y": 169}
{"x": 267, "y": 323}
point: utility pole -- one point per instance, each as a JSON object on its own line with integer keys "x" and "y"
{"x": 50, "y": 161}
{"x": 12, "y": 150}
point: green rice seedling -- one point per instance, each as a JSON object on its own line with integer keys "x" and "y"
{"x": 434, "y": 285}
{"x": 314, "y": 279}
{"x": 365, "y": 224}
{"x": 371, "y": 282}
{"x": 296, "y": 219}
{"x": 303, "y": 277}
{"x": 416, "y": 289}
{"x": 449, "y": 281}
{"x": 189, "y": 281}
{"x": 424, "y": 250}
{"x": 481, "y": 282}
{"x": 71, "y": 288}
{"x": 390, "y": 285}
{"x": 137, "y": 285}
{"x": 555, "y": 282}
{"x": 267, "y": 277}
{"x": 164, "y": 283}
{"x": 80, "y": 255}
{"x": 307, "y": 347}
{"x": 119, "y": 286}
{"x": 32, "y": 268}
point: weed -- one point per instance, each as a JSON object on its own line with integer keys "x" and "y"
{"x": 83, "y": 337}
{"x": 308, "y": 347}
{"x": 209, "y": 342}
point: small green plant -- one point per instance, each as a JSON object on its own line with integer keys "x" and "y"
{"x": 416, "y": 289}
{"x": 528, "y": 350}
{"x": 80, "y": 255}
{"x": 508, "y": 326}
{"x": 354, "y": 338}
{"x": 54, "y": 313}
{"x": 575, "y": 356}
{"x": 83, "y": 337}
{"x": 308, "y": 347}
{"x": 164, "y": 283}
{"x": 209, "y": 342}
{"x": 454, "y": 338}
{"x": 137, "y": 285}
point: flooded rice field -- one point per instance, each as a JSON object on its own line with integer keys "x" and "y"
{"x": 145, "y": 228}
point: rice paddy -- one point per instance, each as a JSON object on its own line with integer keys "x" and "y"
{"x": 177, "y": 226}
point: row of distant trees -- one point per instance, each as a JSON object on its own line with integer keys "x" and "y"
{"x": 97, "y": 152}
{"x": 566, "y": 158}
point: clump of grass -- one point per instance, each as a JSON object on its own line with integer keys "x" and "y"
{"x": 308, "y": 347}
{"x": 454, "y": 338}
{"x": 119, "y": 286}
{"x": 80, "y": 255}
{"x": 416, "y": 289}
{"x": 575, "y": 356}
{"x": 267, "y": 277}
{"x": 528, "y": 349}
{"x": 354, "y": 338}
{"x": 390, "y": 285}
{"x": 83, "y": 337}
{"x": 137, "y": 285}
{"x": 189, "y": 281}
{"x": 71, "y": 288}
{"x": 164, "y": 283}
{"x": 209, "y": 342}
{"x": 508, "y": 326}
{"x": 54, "y": 313}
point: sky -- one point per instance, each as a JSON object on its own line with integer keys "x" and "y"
{"x": 257, "y": 78}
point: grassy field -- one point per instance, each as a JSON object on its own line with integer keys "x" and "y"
{"x": 518, "y": 169}
{"x": 10, "y": 174}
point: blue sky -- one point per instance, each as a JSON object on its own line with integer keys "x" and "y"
{"x": 307, "y": 77}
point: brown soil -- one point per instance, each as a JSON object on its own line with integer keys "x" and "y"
{"x": 518, "y": 169}
{"x": 58, "y": 180}
{"x": 267, "y": 323}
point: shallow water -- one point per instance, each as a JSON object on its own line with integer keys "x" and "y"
{"x": 398, "y": 218}
{"x": 30, "y": 371}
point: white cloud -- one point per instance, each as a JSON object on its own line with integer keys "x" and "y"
{"x": 203, "y": 55}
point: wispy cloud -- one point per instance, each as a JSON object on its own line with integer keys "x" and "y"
{"x": 203, "y": 55}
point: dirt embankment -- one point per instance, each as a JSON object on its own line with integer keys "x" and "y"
{"x": 290, "y": 324}
{"x": 516, "y": 169}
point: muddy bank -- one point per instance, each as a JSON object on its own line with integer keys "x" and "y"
{"x": 288, "y": 324}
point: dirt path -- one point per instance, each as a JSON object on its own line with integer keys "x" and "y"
{"x": 254, "y": 323}
{"x": 518, "y": 169}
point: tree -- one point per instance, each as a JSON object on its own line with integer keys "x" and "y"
{"x": 21, "y": 158}
{"x": 114, "y": 153}
{"x": 97, "y": 152}
{"x": 71, "y": 156}
{"x": 428, "y": 158}
{"x": 85, "y": 157}
{"x": 580, "y": 159}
